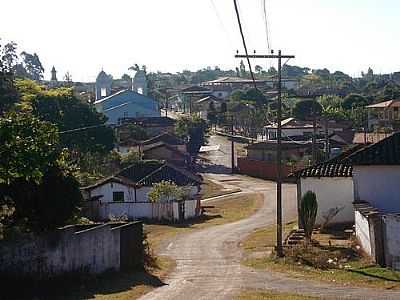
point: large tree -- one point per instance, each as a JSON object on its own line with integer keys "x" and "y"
{"x": 82, "y": 128}
{"x": 34, "y": 177}
{"x": 193, "y": 130}
{"x": 307, "y": 109}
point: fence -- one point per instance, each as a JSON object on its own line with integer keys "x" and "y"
{"x": 171, "y": 211}
{"x": 83, "y": 248}
{"x": 263, "y": 169}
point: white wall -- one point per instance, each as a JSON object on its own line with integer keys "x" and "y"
{"x": 106, "y": 190}
{"x": 362, "y": 232}
{"x": 379, "y": 186}
{"x": 331, "y": 192}
{"x": 392, "y": 241}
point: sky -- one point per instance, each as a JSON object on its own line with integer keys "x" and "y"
{"x": 85, "y": 36}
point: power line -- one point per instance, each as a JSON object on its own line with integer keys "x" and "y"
{"x": 244, "y": 43}
{"x": 266, "y": 25}
{"x": 81, "y": 129}
{"x": 221, "y": 23}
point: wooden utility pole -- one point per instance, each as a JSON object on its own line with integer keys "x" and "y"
{"x": 314, "y": 136}
{"x": 166, "y": 104}
{"x": 327, "y": 146}
{"x": 232, "y": 147}
{"x": 279, "y": 238}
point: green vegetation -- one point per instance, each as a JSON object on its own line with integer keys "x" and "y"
{"x": 308, "y": 213}
{"x": 193, "y": 130}
{"x": 165, "y": 191}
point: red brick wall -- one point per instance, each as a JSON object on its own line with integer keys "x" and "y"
{"x": 263, "y": 169}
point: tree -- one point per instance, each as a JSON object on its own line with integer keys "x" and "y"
{"x": 258, "y": 69}
{"x": 8, "y": 92}
{"x": 307, "y": 109}
{"x": 136, "y": 132}
{"x": 68, "y": 77}
{"x": 60, "y": 107}
{"x": 354, "y": 101}
{"x": 193, "y": 130}
{"x": 126, "y": 77}
{"x": 9, "y": 56}
{"x": 35, "y": 178}
{"x": 255, "y": 96}
{"x": 165, "y": 191}
{"x": 308, "y": 214}
{"x": 28, "y": 147}
{"x": 32, "y": 65}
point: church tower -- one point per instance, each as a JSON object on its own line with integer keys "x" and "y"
{"x": 139, "y": 83}
{"x": 53, "y": 74}
{"x": 103, "y": 85}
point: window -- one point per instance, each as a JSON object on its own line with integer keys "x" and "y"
{"x": 103, "y": 92}
{"x": 118, "y": 196}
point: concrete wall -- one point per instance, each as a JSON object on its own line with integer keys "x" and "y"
{"x": 392, "y": 240}
{"x": 103, "y": 211}
{"x": 363, "y": 232}
{"x": 379, "y": 186}
{"x": 332, "y": 193}
{"x": 92, "y": 249}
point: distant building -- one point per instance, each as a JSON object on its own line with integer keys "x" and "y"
{"x": 126, "y": 104}
{"x": 103, "y": 85}
{"x": 53, "y": 74}
{"x": 139, "y": 83}
{"x": 384, "y": 114}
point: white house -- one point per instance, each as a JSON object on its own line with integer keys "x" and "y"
{"x": 332, "y": 183}
{"x": 126, "y": 193}
{"x": 376, "y": 174}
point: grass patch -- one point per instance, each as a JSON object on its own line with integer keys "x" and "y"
{"x": 211, "y": 189}
{"x": 333, "y": 260}
{"x": 217, "y": 212}
{"x": 270, "y": 295}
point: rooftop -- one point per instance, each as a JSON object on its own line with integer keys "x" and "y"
{"x": 386, "y": 104}
{"x": 384, "y": 152}
{"x": 335, "y": 167}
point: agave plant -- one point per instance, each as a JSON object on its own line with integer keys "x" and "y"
{"x": 308, "y": 214}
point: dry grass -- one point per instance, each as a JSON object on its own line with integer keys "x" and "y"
{"x": 216, "y": 212}
{"x": 211, "y": 189}
{"x": 270, "y": 295}
{"x": 345, "y": 266}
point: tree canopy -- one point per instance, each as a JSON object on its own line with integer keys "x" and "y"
{"x": 307, "y": 109}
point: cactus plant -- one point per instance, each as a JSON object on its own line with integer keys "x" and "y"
{"x": 308, "y": 214}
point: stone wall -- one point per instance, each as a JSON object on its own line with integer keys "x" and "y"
{"x": 83, "y": 248}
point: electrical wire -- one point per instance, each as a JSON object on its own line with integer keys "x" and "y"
{"x": 266, "y": 25}
{"x": 244, "y": 43}
{"x": 81, "y": 129}
{"x": 221, "y": 23}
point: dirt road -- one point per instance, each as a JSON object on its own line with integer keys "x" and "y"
{"x": 208, "y": 260}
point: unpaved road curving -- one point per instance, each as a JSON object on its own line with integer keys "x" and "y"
{"x": 208, "y": 260}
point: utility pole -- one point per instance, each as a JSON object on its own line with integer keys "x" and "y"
{"x": 279, "y": 239}
{"x": 327, "y": 146}
{"x": 314, "y": 124}
{"x": 232, "y": 147}
{"x": 166, "y": 104}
